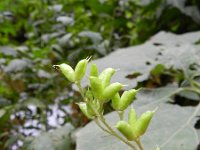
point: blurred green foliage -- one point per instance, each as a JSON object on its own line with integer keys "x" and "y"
{"x": 35, "y": 34}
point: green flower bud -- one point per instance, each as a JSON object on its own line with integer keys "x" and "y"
{"x": 94, "y": 70}
{"x": 115, "y": 101}
{"x": 86, "y": 110}
{"x": 157, "y": 148}
{"x": 122, "y": 103}
{"x": 142, "y": 123}
{"x": 89, "y": 110}
{"x": 132, "y": 117}
{"x": 96, "y": 87}
{"x": 106, "y": 76}
{"x": 93, "y": 102}
{"x": 126, "y": 130}
{"x": 80, "y": 69}
{"x": 127, "y": 98}
{"x": 110, "y": 91}
{"x": 89, "y": 95}
{"x": 97, "y": 106}
{"x": 67, "y": 71}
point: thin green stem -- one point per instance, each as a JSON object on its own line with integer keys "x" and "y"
{"x": 102, "y": 119}
{"x": 114, "y": 132}
{"x": 139, "y": 144}
{"x": 121, "y": 114}
{"x": 98, "y": 123}
{"x": 110, "y": 130}
{"x": 196, "y": 83}
{"x": 195, "y": 86}
{"x": 191, "y": 89}
{"x": 80, "y": 89}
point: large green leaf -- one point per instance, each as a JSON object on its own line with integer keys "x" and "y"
{"x": 172, "y": 127}
{"x": 58, "y": 139}
{"x": 171, "y": 50}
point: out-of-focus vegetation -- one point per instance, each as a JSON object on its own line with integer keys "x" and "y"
{"x": 34, "y": 35}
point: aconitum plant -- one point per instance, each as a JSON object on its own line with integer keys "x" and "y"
{"x": 101, "y": 91}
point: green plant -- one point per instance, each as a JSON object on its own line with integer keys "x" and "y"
{"x": 176, "y": 93}
{"x": 101, "y": 91}
{"x": 36, "y": 35}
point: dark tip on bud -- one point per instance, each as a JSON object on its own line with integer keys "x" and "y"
{"x": 56, "y": 67}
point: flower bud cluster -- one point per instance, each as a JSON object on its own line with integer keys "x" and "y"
{"x": 135, "y": 127}
{"x": 102, "y": 91}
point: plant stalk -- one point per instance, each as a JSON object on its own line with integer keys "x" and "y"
{"x": 121, "y": 114}
{"x": 102, "y": 119}
{"x": 98, "y": 123}
{"x": 139, "y": 144}
{"x": 116, "y": 134}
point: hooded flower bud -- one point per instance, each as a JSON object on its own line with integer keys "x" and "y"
{"x": 80, "y": 69}
{"x": 132, "y": 117}
{"x": 67, "y": 71}
{"x": 142, "y": 123}
{"x": 94, "y": 70}
{"x": 122, "y": 103}
{"x": 86, "y": 110}
{"x": 106, "y": 76}
{"x": 126, "y": 130}
{"x": 115, "y": 101}
{"x": 126, "y": 98}
{"x": 96, "y": 87}
{"x": 89, "y": 95}
{"x": 110, "y": 91}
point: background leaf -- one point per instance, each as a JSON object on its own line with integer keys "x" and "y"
{"x": 164, "y": 130}
{"x": 177, "y": 51}
{"x": 58, "y": 139}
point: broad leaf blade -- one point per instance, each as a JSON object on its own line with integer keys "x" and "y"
{"x": 177, "y": 51}
{"x": 59, "y": 139}
{"x": 172, "y": 127}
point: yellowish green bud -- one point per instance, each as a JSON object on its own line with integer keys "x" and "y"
{"x": 96, "y": 86}
{"x": 142, "y": 123}
{"x": 106, "y": 76}
{"x": 89, "y": 95}
{"x": 97, "y": 105}
{"x": 94, "y": 70}
{"x": 80, "y": 69}
{"x": 89, "y": 109}
{"x": 86, "y": 110}
{"x": 132, "y": 117}
{"x": 126, "y": 98}
{"x": 67, "y": 71}
{"x": 126, "y": 130}
{"x": 110, "y": 91}
{"x": 122, "y": 103}
{"x": 157, "y": 148}
{"x": 116, "y": 101}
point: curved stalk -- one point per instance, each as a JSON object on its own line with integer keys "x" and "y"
{"x": 98, "y": 123}
{"x": 121, "y": 114}
{"x": 80, "y": 90}
{"x": 116, "y": 134}
{"x": 102, "y": 119}
{"x": 139, "y": 144}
